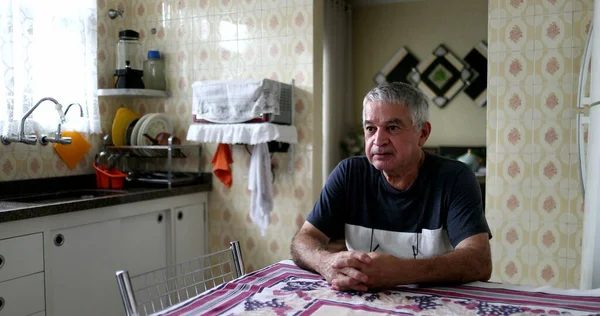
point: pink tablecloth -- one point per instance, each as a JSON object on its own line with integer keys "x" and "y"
{"x": 285, "y": 289}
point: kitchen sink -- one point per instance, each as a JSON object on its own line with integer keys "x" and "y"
{"x": 62, "y": 196}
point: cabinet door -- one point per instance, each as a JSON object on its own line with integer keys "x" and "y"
{"x": 22, "y": 296}
{"x": 144, "y": 242}
{"x": 80, "y": 270}
{"x": 190, "y": 231}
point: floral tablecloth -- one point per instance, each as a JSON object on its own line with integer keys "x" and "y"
{"x": 285, "y": 289}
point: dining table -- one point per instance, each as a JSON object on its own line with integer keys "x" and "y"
{"x": 285, "y": 289}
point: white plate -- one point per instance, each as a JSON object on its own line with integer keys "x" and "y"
{"x": 136, "y": 129}
{"x": 156, "y": 123}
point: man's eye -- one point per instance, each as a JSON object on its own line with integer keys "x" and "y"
{"x": 393, "y": 128}
{"x": 369, "y": 128}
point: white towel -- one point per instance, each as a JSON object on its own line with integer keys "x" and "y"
{"x": 260, "y": 185}
{"x": 235, "y": 101}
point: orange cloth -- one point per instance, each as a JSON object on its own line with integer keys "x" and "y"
{"x": 221, "y": 161}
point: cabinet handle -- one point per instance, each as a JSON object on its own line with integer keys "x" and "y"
{"x": 59, "y": 240}
{"x": 1, "y": 303}
{"x": 2, "y": 261}
{"x": 179, "y": 215}
{"x": 159, "y": 218}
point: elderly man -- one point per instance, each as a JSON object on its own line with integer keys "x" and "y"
{"x": 406, "y": 216}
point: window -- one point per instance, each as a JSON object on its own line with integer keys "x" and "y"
{"x": 48, "y": 49}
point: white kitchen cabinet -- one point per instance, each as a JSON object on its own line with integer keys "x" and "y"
{"x": 22, "y": 296}
{"x": 20, "y": 256}
{"x": 81, "y": 251}
{"x": 190, "y": 231}
{"x": 80, "y": 267}
{"x": 144, "y": 240}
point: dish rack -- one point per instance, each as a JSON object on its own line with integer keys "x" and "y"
{"x": 169, "y": 152}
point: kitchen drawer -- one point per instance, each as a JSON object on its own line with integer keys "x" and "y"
{"x": 21, "y": 256}
{"x": 22, "y": 296}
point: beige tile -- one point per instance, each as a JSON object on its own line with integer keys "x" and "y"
{"x": 554, "y": 66}
{"x": 552, "y": 135}
{"x": 275, "y": 22}
{"x": 228, "y": 6}
{"x": 250, "y": 24}
{"x": 300, "y": 49}
{"x": 274, "y": 51}
{"x": 576, "y": 205}
{"x": 270, "y": 4}
{"x": 515, "y": 204}
{"x": 514, "y": 137}
{"x": 518, "y": 34}
{"x": 508, "y": 8}
{"x": 553, "y": 6}
{"x": 573, "y": 273}
{"x": 575, "y": 240}
{"x": 583, "y": 5}
{"x": 516, "y": 169}
{"x": 553, "y": 101}
{"x": 300, "y": 19}
{"x": 546, "y": 271}
{"x": 250, "y": 5}
{"x": 493, "y": 6}
{"x": 582, "y": 21}
{"x": 250, "y": 52}
{"x": 554, "y": 31}
{"x": 548, "y": 171}
{"x": 517, "y": 68}
{"x": 513, "y": 269}
{"x": 516, "y": 101}
{"x": 549, "y": 204}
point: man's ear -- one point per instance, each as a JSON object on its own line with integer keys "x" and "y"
{"x": 425, "y": 132}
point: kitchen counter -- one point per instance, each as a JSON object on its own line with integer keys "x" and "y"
{"x": 13, "y": 211}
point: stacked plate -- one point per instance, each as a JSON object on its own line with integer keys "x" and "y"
{"x": 132, "y": 132}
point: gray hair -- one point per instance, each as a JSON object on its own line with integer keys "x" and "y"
{"x": 400, "y": 94}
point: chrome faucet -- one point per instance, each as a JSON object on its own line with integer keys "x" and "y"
{"x": 31, "y": 139}
{"x": 45, "y": 139}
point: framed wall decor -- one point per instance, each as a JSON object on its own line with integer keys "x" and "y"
{"x": 441, "y": 77}
{"x": 398, "y": 68}
{"x": 476, "y": 60}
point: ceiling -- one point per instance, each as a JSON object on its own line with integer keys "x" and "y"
{"x": 358, "y": 3}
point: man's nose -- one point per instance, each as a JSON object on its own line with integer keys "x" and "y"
{"x": 381, "y": 137}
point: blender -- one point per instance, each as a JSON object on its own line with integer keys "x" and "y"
{"x": 129, "y": 71}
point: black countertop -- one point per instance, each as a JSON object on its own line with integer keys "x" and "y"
{"x": 13, "y": 211}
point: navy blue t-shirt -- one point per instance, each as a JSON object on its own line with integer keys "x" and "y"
{"x": 441, "y": 208}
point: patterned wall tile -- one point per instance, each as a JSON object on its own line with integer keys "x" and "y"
{"x": 554, "y": 66}
{"x": 509, "y": 8}
{"x": 583, "y": 5}
{"x": 517, "y": 34}
{"x": 554, "y": 31}
{"x": 582, "y": 22}
{"x": 553, "y": 101}
{"x": 516, "y": 67}
{"x": 553, "y": 6}
{"x": 516, "y": 102}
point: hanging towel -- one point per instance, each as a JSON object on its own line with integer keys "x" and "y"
{"x": 260, "y": 184}
{"x": 221, "y": 161}
{"x": 72, "y": 153}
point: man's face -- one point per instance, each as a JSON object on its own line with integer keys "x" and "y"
{"x": 391, "y": 140}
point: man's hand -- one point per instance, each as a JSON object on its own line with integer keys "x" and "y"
{"x": 343, "y": 270}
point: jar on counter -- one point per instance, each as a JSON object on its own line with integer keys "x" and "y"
{"x": 154, "y": 71}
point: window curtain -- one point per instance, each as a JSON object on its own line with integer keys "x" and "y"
{"x": 337, "y": 103}
{"x": 48, "y": 49}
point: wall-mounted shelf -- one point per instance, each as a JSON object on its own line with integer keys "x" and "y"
{"x": 133, "y": 93}
{"x": 243, "y": 133}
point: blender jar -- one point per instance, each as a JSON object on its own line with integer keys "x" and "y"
{"x": 129, "y": 60}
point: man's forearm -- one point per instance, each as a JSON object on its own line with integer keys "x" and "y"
{"x": 459, "y": 266}
{"x": 307, "y": 252}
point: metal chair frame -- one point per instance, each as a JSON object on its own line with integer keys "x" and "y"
{"x": 154, "y": 291}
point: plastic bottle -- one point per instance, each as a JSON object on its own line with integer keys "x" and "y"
{"x": 154, "y": 71}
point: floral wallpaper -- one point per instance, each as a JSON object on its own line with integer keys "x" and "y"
{"x": 534, "y": 203}
{"x": 228, "y": 39}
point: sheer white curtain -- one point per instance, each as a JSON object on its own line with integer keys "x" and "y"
{"x": 48, "y": 49}
{"x": 337, "y": 103}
